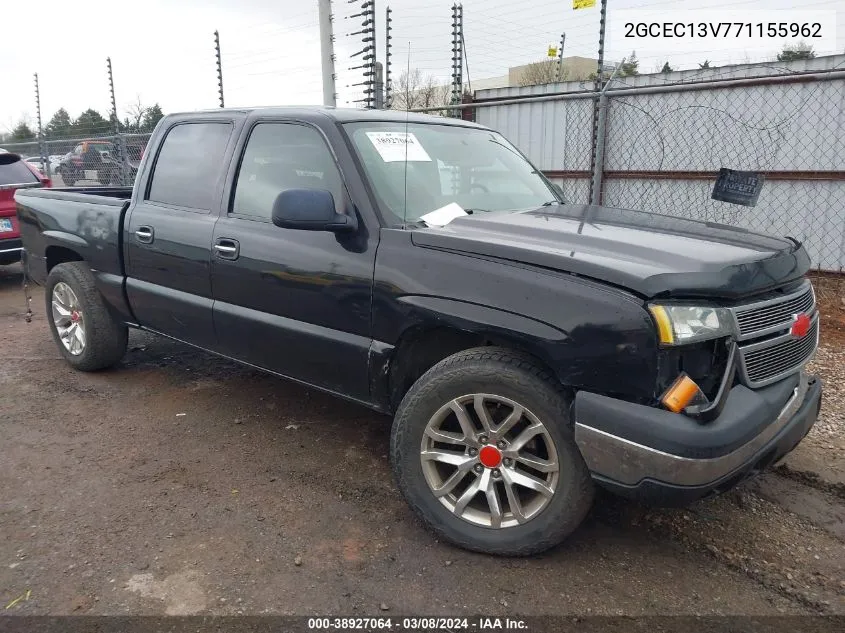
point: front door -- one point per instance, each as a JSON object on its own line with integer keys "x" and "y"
{"x": 295, "y": 302}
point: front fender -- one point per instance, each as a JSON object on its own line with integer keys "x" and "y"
{"x": 592, "y": 335}
{"x": 476, "y": 318}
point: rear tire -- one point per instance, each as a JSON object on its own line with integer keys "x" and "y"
{"x": 78, "y": 305}
{"x": 509, "y": 385}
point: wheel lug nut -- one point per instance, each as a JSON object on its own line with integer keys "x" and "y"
{"x": 479, "y": 468}
{"x": 502, "y": 444}
{"x": 508, "y": 461}
{"x": 483, "y": 439}
{"x": 473, "y": 452}
{"x": 496, "y": 473}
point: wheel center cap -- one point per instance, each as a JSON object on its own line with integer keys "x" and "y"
{"x": 74, "y": 316}
{"x": 490, "y": 456}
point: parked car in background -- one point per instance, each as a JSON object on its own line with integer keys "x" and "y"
{"x": 101, "y": 157}
{"x": 37, "y": 162}
{"x": 15, "y": 174}
{"x": 135, "y": 149}
{"x": 91, "y": 155}
{"x": 54, "y": 161}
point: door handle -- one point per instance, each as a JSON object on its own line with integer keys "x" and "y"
{"x": 227, "y": 248}
{"x": 145, "y": 234}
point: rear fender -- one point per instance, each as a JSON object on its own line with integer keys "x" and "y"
{"x": 62, "y": 247}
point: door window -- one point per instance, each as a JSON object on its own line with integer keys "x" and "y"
{"x": 189, "y": 165}
{"x": 281, "y": 156}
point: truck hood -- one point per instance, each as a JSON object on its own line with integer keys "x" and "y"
{"x": 649, "y": 254}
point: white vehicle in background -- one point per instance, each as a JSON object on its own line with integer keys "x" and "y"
{"x": 36, "y": 162}
{"x": 54, "y": 161}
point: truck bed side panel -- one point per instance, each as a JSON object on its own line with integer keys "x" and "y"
{"x": 61, "y": 225}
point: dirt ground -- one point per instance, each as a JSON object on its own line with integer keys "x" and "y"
{"x": 180, "y": 483}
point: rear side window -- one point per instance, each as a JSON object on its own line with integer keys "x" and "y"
{"x": 189, "y": 164}
{"x": 16, "y": 173}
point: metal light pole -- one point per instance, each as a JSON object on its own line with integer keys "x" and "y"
{"x": 560, "y": 58}
{"x": 388, "y": 79}
{"x": 602, "y": 26}
{"x": 457, "y": 56}
{"x": 367, "y": 52}
{"x": 599, "y": 115}
{"x": 121, "y": 153}
{"x": 219, "y": 68}
{"x": 327, "y": 52}
{"x": 42, "y": 148}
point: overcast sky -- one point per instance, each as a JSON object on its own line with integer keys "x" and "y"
{"x": 162, "y": 50}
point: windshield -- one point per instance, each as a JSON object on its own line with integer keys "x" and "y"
{"x": 447, "y": 165}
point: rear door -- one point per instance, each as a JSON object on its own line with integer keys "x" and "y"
{"x": 292, "y": 301}
{"x": 168, "y": 235}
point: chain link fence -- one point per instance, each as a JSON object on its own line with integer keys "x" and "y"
{"x": 556, "y": 134}
{"x": 655, "y": 144}
{"x": 91, "y": 161}
{"x": 662, "y": 152}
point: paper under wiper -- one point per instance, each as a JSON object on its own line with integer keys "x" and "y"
{"x": 443, "y": 215}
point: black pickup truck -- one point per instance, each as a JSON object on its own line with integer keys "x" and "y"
{"x": 528, "y": 349}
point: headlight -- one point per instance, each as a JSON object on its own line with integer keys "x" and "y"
{"x": 679, "y": 325}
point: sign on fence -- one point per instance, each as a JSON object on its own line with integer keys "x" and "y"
{"x": 738, "y": 187}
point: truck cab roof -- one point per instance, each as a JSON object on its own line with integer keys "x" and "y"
{"x": 341, "y": 115}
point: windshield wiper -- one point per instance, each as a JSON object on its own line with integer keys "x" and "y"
{"x": 471, "y": 211}
{"x": 551, "y": 202}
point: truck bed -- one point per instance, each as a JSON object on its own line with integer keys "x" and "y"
{"x": 114, "y": 193}
{"x": 86, "y": 221}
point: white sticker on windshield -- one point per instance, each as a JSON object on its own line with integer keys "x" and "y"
{"x": 443, "y": 215}
{"x": 395, "y": 146}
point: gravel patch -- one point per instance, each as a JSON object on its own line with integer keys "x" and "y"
{"x": 829, "y": 363}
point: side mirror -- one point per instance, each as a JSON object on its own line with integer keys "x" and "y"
{"x": 310, "y": 210}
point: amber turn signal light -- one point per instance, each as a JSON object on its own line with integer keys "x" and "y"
{"x": 681, "y": 393}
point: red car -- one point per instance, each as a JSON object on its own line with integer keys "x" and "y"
{"x": 15, "y": 174}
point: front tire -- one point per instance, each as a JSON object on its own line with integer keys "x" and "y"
{"x": 86, "y": 333}
{"x": 483, "y": 450}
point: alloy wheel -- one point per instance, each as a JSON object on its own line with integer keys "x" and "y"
{"x": 489, "y": 460}
{"x": 68, "y": 318}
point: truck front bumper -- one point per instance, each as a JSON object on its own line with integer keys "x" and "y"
{"x": 669, "y": 459}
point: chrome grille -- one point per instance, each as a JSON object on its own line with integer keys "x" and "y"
{"x": 772, "y": 314}
{"x": 768, "y": 351}
{"x": 774, "y": 361}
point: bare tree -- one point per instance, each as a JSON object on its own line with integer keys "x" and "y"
{"x": 544, "y": 72}
{"x": 433, "y": 94}
{"x": 412, "y": 90}
{"x": 135, "y": 112}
